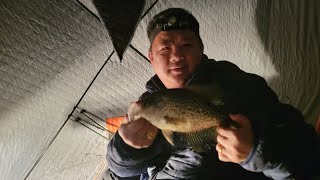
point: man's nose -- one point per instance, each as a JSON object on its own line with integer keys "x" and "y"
{"x": 177, "y": 54}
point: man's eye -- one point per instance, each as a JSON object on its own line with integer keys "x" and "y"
{"x": 187, "y": 44}
{"x": 165, "y": 48}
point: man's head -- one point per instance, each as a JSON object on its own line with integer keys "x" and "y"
{"x": 176, "y": 48}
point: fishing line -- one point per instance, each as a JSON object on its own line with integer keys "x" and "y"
{"x": 95, "y": 124}
{"x": 82, "y": 110}
{"x": 77, "y": 120}
{"x": 100, "y": 126}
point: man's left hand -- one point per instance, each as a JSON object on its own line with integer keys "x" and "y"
{"x": 235, "y": 144}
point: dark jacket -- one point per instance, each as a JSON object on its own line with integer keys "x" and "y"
{"x": 285, "y": 146}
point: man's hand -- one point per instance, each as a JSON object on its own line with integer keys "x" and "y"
{"x": 137, "y": 134}
{"x": 235, "y": 144}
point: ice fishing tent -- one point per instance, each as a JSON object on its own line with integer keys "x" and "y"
{"x": 51, "y": 51}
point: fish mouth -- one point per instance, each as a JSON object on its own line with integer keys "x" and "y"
{"x": 134, "y": 110}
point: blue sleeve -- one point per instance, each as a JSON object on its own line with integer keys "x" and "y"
{"x": 278, "y": 170}
{"x": 126, "y": 161}
{"x": 285, "y": 145}
{"x": 256, "y": 163}
{"x": 182, "y": 164}
{"x": 287, "y": 148}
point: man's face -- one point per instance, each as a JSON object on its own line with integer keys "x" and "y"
{"x": 174, "y": 56}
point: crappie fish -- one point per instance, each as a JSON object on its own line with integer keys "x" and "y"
{"x": 183, "y": 116}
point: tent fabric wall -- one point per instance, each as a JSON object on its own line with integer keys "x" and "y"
{"x": 51, "y": 50}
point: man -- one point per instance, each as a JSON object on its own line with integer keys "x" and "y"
{"x": 267, "y": 141}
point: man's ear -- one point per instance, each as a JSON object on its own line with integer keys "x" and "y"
{"x": 202, "y": 47}
{"x": 150, "y": 56}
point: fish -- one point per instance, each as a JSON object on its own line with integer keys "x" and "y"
{"x": 186, "y": 116}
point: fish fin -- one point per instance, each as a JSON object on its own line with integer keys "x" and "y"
{"x": 200, "y": 141}
{"x": 211, "y": 91}
{"x": 168, "y": 135}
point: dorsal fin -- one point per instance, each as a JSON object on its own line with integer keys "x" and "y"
{"x": 211, "y": 91}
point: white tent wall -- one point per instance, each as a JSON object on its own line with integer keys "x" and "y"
{"x": 51, "y": 50}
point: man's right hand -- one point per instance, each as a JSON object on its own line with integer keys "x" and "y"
{"x": 137, "y": 134}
